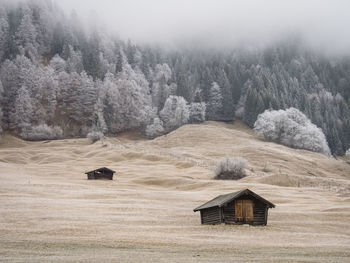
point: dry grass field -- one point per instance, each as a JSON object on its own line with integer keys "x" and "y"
{"x": 50, "y": 212}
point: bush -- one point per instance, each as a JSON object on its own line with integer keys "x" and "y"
{"x": 291, "y": 128}
{"x": 42, "y": 132}
{"x": 155, "y": 129}
{"x": 95, "y": 136}
{"x": 231, "y": 168}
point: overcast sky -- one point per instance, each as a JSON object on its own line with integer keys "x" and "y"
{"x": 324, "y": 23}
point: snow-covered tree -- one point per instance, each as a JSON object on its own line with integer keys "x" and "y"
{"x": 197, "y": 112}
{"x": 43, "y": 132}
{"x": 1, "y": 103}
{"x": 348, "y": 153}
{"x": 134, "y": 100}
{"x": 99, "y": 127}
{"x": 4, "y": 33}
{"x": 58, "y": 64}
{"x": 175, "y": 113}
{"x": 74, "y": 61}
{"x": 160, "y": 89}
{"x": 23, "y": 111}
{"x": 214, "y": 108}
{"x": 155, "y": 129}
{"x": 26, "y": 34}
{"x": 292, "y": 128}
{"x": 46, "y": 51}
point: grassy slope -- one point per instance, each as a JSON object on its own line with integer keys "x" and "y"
{"x": 49, "y": 212}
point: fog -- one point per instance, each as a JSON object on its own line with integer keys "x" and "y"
{"x": 322, "y": 23}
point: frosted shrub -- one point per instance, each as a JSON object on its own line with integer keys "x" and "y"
{"x": 291, "y": 128}
{"x": 348, "y": 153}
{"x": 95, "y": 136}
{"x": 231, "y": 168}
{"x": 155, "y": 129}
{"x": 42, "y": 132}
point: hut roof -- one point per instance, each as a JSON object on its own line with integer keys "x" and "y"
{"x": 103, "y": 169}
{"x": 224, "y": 199}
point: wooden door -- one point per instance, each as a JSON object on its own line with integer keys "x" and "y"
{"x": 244, "y": 211}
{"x": 239, "y": 210}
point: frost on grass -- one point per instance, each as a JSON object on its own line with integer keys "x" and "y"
{"x": 231, "y": 168}
{"x": 291, "y": 128}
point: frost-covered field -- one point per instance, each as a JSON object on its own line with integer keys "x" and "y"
{"x": 49, "y": 212}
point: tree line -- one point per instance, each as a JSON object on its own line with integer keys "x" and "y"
{"x": 58, "y": 79}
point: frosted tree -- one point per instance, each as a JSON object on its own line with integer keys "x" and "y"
{"x": 155, "y": 128}
{"x": 175, "y": 113}
{"x": 292, "y": 128}
{"x": 23, "y": 111}
{"x": 39, "y": 46}
{"x": 43, "y": 132}
{"x": 348, "y": 153}
{"x": 1, "y": 103}
{"x": 46, "y": 87}
{"x": 9, "y": 79}
{"x": 108, "y": 105}
{"x": 58, "y": 64}
{"x": 26, "y": 34}
{"x": 87, "y": 96}
{"x": 74, "y": 61}
{"x": 254, "y": 105}
{"x": 134, "y": 100}
{"x": 76, "y": 97}
{"x": 98, "y": 125}
{"x": 197, "y": 112}
{"x": 227, "y": 101}
{"x": 160, "y": 89}
{"x": 4, "y": 33}
{"x": 214, "y": 109}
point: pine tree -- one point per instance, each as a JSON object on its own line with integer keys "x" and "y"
{"x": 23, "y": 111}
{"x": 214, "y": 109}
{"x": 26, "y": 34}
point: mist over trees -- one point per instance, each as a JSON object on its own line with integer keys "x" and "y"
{"x": 58, "y": 80}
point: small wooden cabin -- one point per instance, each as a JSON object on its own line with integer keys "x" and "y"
{"x": 102, "y": 173}
{"x": 242, "y": 207}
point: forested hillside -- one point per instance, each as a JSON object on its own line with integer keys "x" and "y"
{"x": 59, "y": 80}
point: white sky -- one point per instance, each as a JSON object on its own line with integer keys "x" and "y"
{"x": 324, "y": 23}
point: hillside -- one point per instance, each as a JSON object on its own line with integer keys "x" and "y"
{"x": 51, "y": 213}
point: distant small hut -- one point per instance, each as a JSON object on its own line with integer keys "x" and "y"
{"x": 242, "y": 207}
{"x": 102, "y": 173}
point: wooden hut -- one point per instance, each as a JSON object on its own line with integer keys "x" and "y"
{"x": 102, "y": 173}
{"x": 242, "y": 207}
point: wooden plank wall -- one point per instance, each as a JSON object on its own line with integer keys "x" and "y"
{"x": 229, "y": 213}
{"x": 211, "y": 216}
{"x": 259, "y": 213}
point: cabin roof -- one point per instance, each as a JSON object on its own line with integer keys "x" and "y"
{"x": 224, "y": 199}
{"x": 101, "y": 170}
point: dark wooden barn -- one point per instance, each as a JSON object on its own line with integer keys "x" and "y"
{"x": 242, "y": 207}
{"x": 102, "y": 173}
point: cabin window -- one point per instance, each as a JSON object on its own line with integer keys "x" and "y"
{"x": 244, "y": 211}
